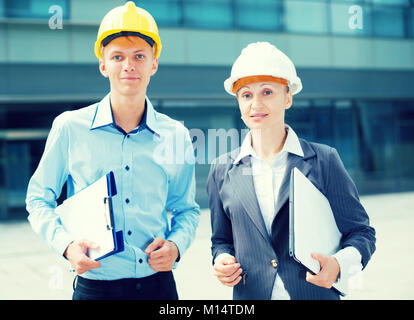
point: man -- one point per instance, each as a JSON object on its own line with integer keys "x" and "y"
{"x": 122, "y": 133}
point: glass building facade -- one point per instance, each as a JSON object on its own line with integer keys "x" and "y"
{"x": 355, "y": 58}
{"x": 379, "y": 18}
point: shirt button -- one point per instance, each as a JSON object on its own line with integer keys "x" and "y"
{"x": 273, "y": 263}
{"x": 127, "y": 135}
{"x": 140, "y": 260}
{"x": 129, "y": 232}
{"x": 127, "y": 168}
{"x": 127, "y": 200}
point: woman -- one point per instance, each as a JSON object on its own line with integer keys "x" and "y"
{"x": 248, "y": 192}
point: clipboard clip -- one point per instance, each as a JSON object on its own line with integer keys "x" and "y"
{"x": 108, "y": 213}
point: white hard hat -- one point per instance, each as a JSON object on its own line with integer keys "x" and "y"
{"x": 263, "y": 59}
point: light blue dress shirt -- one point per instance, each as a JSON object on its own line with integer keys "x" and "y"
{"x": 85, "y": 144}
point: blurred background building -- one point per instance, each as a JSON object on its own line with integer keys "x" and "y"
{"x": 355, "y": 59}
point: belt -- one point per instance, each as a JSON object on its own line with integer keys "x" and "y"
{"x": 119, "y": 284}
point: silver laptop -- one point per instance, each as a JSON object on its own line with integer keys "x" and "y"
{"x": 311, "y": 222}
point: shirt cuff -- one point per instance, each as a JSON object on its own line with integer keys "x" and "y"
{"x": 61, "y": 241}
{"x": 179, "y": 244}
{"x": 349, "y": 260}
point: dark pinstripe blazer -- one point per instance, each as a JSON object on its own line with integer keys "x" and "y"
{"x": 238, "y": 227}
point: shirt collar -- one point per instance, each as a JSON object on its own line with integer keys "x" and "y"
{"x": 150, "y": 118}
{"x": 292, "y": 145}
{"x": 103, "y": 115}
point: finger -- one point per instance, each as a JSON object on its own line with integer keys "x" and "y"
{"x": 162, "y": 256}
{"x": 160, "y": 265}
{"x": 226, "y": 270}
{"x": 84, "y": 243}
{"x": 230, "y": 278}
{"x": 319, "y": 279}
{"x": 155, "y": 244}
{"x": 228, "y": 260}
{"x": 230, "y": 269}
{"x": 163, "y": 251}
{"x": 226, "y": 263}
{"x": 86, "y": 264}
{"x": 311, "y": 278}
{"x": 319, "y": 257}
{"x": 80, "y": 270}
{"x": 225, "y": 258}
{"x": 232, "y": 284}
{"x": 157, "y": 261}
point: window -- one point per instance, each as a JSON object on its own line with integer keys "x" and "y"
{"x": 212, "y": 14}
{"x": 377, "y": 123}
{"x": 351, "y": 18}
{"x": 391, "y": 2}
{"x": 411, "y": 23}
{"x": 405, "y": 137}
{"x": 345, "y": 134}
{"x": 381, "y": 18}
{"x": 2, "y": 9}
{"x": 388, "y": 21}
{"x": 306, "y": 16}
{"x": 34, "y": 8}
{"x": 165, "y": 12}
{"x": 247, "y": 13}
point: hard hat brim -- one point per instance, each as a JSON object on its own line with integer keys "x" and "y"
{"x": 153, "y": 36}
{"x": 113, "y": 36}
{"x": 295, "y": 87}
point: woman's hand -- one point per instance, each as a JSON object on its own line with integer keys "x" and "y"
{"x": 227, "y": 270}
{"x": 328, "y": 274}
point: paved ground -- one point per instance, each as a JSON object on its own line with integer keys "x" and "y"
{"x": 30, "y": 270}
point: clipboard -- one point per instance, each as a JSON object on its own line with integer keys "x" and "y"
{"x": 312, "y": 226}
{"x": 89, "y": 215}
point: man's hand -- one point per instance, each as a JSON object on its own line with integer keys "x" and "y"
{"x": 76, "y": 254}
{"x": 328, "y": 274}
{"x": 162, "y": 254}
{"x": 227, "y": 270}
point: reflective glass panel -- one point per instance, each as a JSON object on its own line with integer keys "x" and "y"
{"x": 247, "y": 13}
{"x": 352, "y": 19}
{"x": 2, "y": 9}
{"x": 388, "y": 21}
{"x": 165, "y": 12}
{"x": 212, "y": 14}
{"x": 391, "y": 2}
{"x": 306, "y": 16}
{"x": 35, "y": 8}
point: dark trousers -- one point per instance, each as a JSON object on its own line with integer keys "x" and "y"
{"x": 159, "y": 286}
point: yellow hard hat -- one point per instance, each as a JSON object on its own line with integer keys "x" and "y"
{"x": 128, "y": 20}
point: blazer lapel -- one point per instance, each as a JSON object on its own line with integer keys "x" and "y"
{"x": 241, "y": 179}
{"x": 293, "y": 161}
